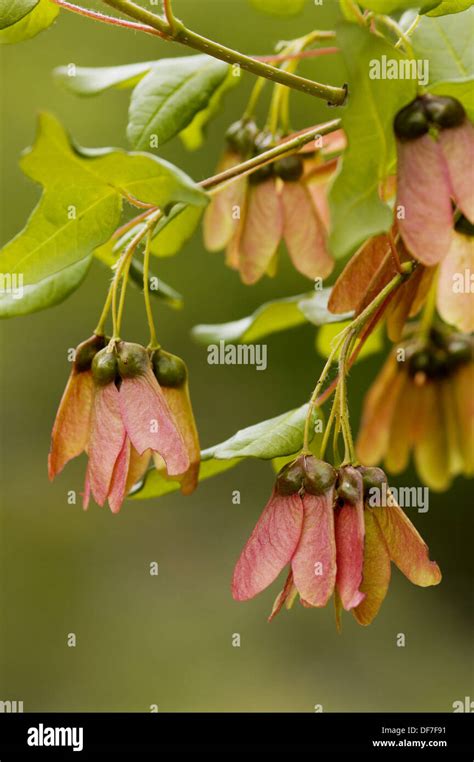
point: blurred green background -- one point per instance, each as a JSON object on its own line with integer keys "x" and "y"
{"x": 167, "y": 640}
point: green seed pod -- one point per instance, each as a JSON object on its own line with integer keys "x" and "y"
{"x": 289, "y": 168}
{"x": 319, "y": 476}
{"x": 241, "y": 135}
{"x": 132, "y": 359}
{"x": 86, "y": 351}
{"x": 104, "y": 367}
{"x": 170, "y": 370}
{"x": 411, "y": 122}
{"x": 372, "y": 478}
{"x": 349, "y": 485}
{"x": 262, "y": 174}
{"x": 290, "y": 478}
{"x": 464, "y": 227}
{"x": 444, "y": 112}
{"x": 264, "y": 141}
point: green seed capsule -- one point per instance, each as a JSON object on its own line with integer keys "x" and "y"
{"x": 104, "y": 367}
{"x": 132, "y": 360}
{"x": 349, "y": 485}
{"x": 372, "y": 478}
{"x": 411, "y": 122}
{"x": 289, "y": 168}
{"x": 319, "y": 476}
{"x": 444, "y": 112}
{"x": 262, "y": 174}
{"x": 170, "y": 370}
{"x": 264, "y": 141}
{"x": 290, "y": 477}
{"x": 241, "y": 136}
{"x": 86, "y": 352}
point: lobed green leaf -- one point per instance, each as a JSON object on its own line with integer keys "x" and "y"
{"x": 78, "y": 211}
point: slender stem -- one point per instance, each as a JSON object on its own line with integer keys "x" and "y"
{"x": 334, "y": 95}
{"x": 169, "y": 15}
{"x": 364, "y": 335}
{"x": 429, "y": 311}
{"x": 327, "y": 431}
{"x": 146, "y": 293}
{"x": 111, "y": 20}
{"x": 136, "y": 202}
{"x": 350, "y": 332}
{"x": 99, "y": 329}
{"x": 396, "y": 29}
{"x": 406, "y": 270}
{"x": 122, "y": 264}
{"x": 337, "y": 429}
{"x": 314, "y": 396}
{"x": 349, "y": 454}
{"x": 358, "y": 15}
{"x": 279, "y": 107}
{"x": 131, "y": 223}
{"x": 283, "y": 148}
{"x": 254, "y": 97}
{"x": 278, "y": 57}
{"x": 410, "y": 30}
{"x": 121, "y": 305}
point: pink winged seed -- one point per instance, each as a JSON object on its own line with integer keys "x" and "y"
{"x": 118, "y": 484}
{"x": 262, "y": 231}
{"x": 304, "y": 232}
{"x": 406, "y": 547}
{"x": 457, "y": 144}
{"x": 423, "y": 190}
{"x": 106, "y": 441}
{"x": 149, "y": 422}
{"x": 314, "y": 562}
{"x": 456, "y": 305}
{"x": 270, "y": 546}
{"x": 71, "y": 428}
{"x": 350, "y": 534}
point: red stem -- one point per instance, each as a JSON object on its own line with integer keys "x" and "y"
{"x": 112, "y": 20}
{"x": 131, "y": 223}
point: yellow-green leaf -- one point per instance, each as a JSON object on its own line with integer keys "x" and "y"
{"x": 40, "y": 17}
